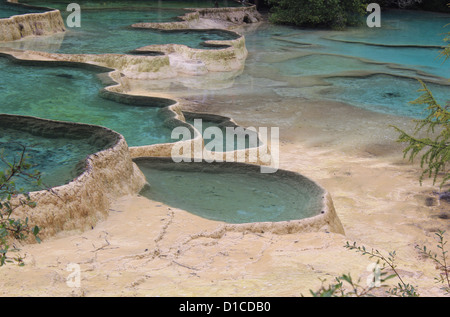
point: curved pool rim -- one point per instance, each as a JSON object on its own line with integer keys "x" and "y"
{"x": 82, "y": 202}
{"x": 325, "y": 220}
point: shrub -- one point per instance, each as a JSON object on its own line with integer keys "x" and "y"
{"x": 435, "y": 146}
{"x": 11, "y": 198}
{"x": 317, "y": 13}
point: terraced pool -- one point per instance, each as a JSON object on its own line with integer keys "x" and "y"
{"x": 58, "y": 150}
{"x": 372, "y": 69}
{"x": 232, "y": 193}
{"x": 71, "y": 94}
{"x": 108, "y": 30}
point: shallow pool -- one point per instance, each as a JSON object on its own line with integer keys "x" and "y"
{"x": 108, "y": 30}
{"x": 280, "y": 59}
{"x": 402, "y": 28}
{"x": 57, "y": 150}
{"x": 71, "y": 94}
{"x": 392, "y": 94}
{"x": 379, "y": 77}
{"x": 233, "y": 193}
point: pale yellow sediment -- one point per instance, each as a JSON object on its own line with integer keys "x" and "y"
{"x": 32, "y": 24}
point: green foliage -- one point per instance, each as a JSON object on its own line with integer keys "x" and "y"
{"x": 327, "y": 13}
{"x": 435, "y": 5}
{"x": 446, "y": 51}
{"x": 12, "y": 198}
{"x": 401, "y": 289}
{"x": 435, "y": 147}
{"x": 332, "y": 290}
{"x": 380, "y": 275}
{"x": 440, "y": 260}
{"x": 345, "y": 286}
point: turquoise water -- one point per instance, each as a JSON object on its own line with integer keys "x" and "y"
{"x": 280, "y": 56}
{"x": 320, "y": 64}
{"x": 232, "y": 135}
{"x": 70, "y": 94}
{"x": 59, "y": 160}
{"x": 413, "y": 28}
{"x": 110, "y": 31}
{"x": 288, "y": 55}
{"x": 328, "y": 57}
{"x": 391, "y": 95}
{"x": 270, "y": 39}
{"x": 7, "y": 10}
{"x": 225, "y": 192}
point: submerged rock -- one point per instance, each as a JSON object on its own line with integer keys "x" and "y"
{"x": 68, "y": 76}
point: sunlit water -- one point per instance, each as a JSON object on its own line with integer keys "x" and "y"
{"x": 388, "y": 98}
{"x": 431, "y": 26}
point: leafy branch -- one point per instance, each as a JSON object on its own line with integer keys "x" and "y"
{"x": 441, "y": 261}
{"x": 12, "y": 198}
{"x": 356, "y": 289}
{"x": 402, "y": 288}
{"x": 436, "y": 152}
{"x": 380, "y": 276}
{"x": 377, "y": 279}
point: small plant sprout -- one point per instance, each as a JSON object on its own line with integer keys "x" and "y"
{"x": 402, "y": 289}
{"x": 440, "y": 260}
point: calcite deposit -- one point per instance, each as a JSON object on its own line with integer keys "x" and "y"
{"x": 32, "y": 24}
